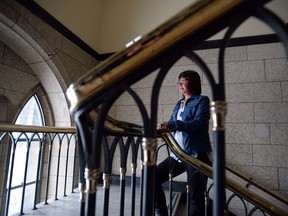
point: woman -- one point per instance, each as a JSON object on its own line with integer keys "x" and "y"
{"x": 189, "y": 124}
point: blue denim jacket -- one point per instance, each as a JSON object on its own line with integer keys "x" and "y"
{"x": 194, "y": 124}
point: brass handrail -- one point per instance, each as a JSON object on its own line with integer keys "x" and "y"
{"x": 120, "y": 127}
{"x": 256, "y": 184}
{"x": 35, "y": 129}
{"x": 39, "y": 142}
{"x": 230, "y": 184}
{"x": 122, "y": 64}
{"x": 115, "y": 127}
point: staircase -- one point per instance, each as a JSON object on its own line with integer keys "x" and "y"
{"x": 94, "y": 93}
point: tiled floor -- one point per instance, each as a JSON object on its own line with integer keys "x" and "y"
{"x": 70, "y": 204}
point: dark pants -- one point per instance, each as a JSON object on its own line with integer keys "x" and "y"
{"x": 196, "y": 179}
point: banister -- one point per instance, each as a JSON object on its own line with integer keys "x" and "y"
{"x": 160, "y": 49}
{"x": 114, "y": 126}
{"x": 259, "y": 186}
{"x": 230, "y": 184}
{"x": 120, "y": 127}
{"x": 122, "y": 64}
{"x": 30, "y": 128}
{"x": 23, "y": 142}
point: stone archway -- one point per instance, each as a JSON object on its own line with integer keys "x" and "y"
{"x": 42, "y": 64}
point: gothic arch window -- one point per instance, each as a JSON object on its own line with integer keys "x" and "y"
{"x": 31, "y": 114}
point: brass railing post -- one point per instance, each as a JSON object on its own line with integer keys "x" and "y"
{"x": 149, "y": 146}
{"x": 218, "y": 111}
{"x": 92, "y": 177}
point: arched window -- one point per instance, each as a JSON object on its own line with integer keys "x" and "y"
{"x": 31, "y": 114}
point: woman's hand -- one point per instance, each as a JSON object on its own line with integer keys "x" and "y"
{"x": 163, "y": 127}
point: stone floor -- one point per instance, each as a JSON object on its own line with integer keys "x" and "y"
{"x": 70, "y": 205}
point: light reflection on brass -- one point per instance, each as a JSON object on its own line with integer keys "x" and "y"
{"x": 82, "y": 188}
{"x": 218, "y": 112}
{"x": 133, "y": 168}
{"x": 149, "y": 146}
{"x": 91, "y": 177}
{"x": 116, "y": 126}
{"x": 122, "y": 173}
{"x": 106, "y": 180}
{"x": 36, "y": 129}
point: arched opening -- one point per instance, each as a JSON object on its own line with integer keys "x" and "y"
{"x": 32, "y": 113}
{"x": 49, "y": 70}
{"x": 26, "y": 156}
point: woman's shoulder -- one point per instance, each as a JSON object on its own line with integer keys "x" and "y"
{"x": 204, "y": 97}
{"x": 200, "y": 98}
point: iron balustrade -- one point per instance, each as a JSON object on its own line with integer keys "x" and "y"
{"x": 237, "y": 190}
{"x": 43, "y": 139}
{"x": 126, "y": 139}
{"x": 158, "y": 51}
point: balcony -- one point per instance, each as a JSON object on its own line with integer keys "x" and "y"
{"x": 118, "y": 192}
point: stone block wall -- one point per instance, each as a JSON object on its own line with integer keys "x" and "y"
{"x": 35, "y": 59}
{"x": 257, "y": 114}
{"x": 256, "y": 84}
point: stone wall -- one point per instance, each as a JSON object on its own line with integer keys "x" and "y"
{"x": 35, "y": 59}
{"x": 33, "y": 54}
{"x": 256, "y": 122}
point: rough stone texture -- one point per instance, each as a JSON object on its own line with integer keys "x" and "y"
{"x": 267, "y": 51}
{"x": 279, "y": 134}
{"x": 35, "y": 59}
{"x": 257, "y": 95}
{"x": 33, "y": 54}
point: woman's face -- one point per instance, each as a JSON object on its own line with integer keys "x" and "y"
{"x": 183, "y": 86}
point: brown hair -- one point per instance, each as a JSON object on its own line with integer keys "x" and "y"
{"x": 194, "y": 81}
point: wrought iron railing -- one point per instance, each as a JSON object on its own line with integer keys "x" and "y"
{"x": 124, "y": 137}
{"x": 238, "y": 190}
{"x": 160, "y": 49}
{"x": 128, "y": 137}
{"x": 48, "y": 159}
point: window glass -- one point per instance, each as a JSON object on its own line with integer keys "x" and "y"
{"x": 31, "y": 114}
